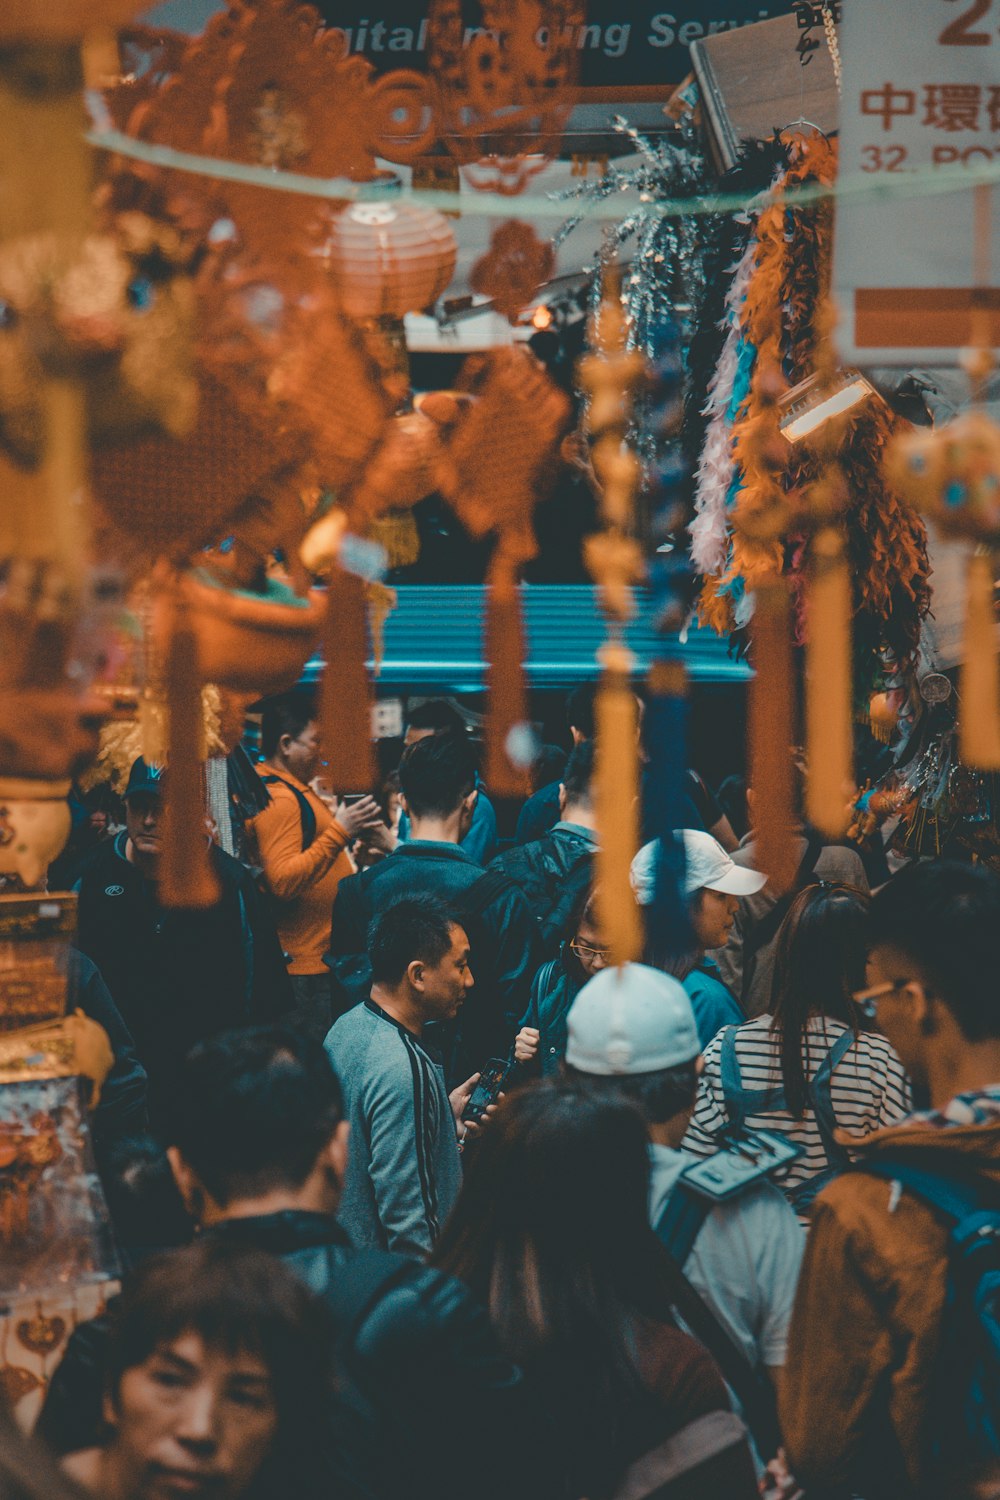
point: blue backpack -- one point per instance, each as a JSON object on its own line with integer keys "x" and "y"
{"x": 966, "y": 1387}
{"x": 741, "y": 1103}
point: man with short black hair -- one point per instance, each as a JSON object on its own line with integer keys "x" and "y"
{"x": 632, "y": 1031}
{"x": 542, "y": 810}
{"x": 259, "y": 1152}
{"x": 438, "y": 789}
{"x": 554, "y": 871}
{"x": 437, "y": 716}
{"x": 879, "y": 1362}
{"x": 404, "y": 1172}
{"x": 302, "y": 841}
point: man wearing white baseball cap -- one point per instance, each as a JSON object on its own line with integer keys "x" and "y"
{"x": 713, "y": 885}
{"x": 632, "y": 1030}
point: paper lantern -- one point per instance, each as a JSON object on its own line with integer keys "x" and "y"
{"x": 388, "y": 259}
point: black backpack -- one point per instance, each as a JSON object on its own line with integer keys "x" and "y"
{"x": 555, "y": 890}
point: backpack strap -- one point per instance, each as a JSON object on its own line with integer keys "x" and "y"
{"x": 680, "y": 1222}
{"x": 822, "y": 1101}
{"x": 307, "y": 818}
{"x": 687, "y": 1450}
{"x": 957, "y": 1200}
{"x": 483, "y": 890}
{"x": 544, "y": 978}
{"x": 754, "y": 1393}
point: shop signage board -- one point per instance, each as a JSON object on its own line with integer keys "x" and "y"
{"x": 921, "y": 98}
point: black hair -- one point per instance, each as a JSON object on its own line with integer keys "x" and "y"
{"x": 579, "y": 774}
{"x": 415, "y": 928}
{"x": 146, "y": 1208}
{"x": 548, "y": 766}
{"x": 290, "y": 714}
{"x": 819, "y": 961}
{"x": 435, "y": 714}
{"x": 732, "y": 798}
{"x": 437, "y": 773}
{"x": 551, "y": 1232}
{"x": 254, "y": 1109}
{"x": 580, "y": 709}
{"x": 943, "y": 917}
{"x": 236, "y": 1299}
{"x": 657, "y": 1096}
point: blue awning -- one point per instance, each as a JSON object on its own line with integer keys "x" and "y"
{"x": 433, "y": 639}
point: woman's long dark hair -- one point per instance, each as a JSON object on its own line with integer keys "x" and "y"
{"x": 819, "y": 962}
{"x": 551, "y": 1231}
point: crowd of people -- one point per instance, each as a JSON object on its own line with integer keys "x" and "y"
{"x": 417, "y": 1193}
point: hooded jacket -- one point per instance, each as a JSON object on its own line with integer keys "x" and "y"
{"x": 855, "y": 1407}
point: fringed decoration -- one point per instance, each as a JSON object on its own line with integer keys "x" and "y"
{"x": 345, "y": 707}
{"x": 668, "y": 924}
{"x": 187, "y": 878}
{"x": 709, "y": 531}
{"x": 979, "y": 690}
{"x": 509, "y": 741}
{"x": 617, "y": 806}
{"x": 770, "y": 734}
{"x": 828, "y": 687}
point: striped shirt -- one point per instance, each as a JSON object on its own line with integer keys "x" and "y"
{"x": 869, "y": 1090}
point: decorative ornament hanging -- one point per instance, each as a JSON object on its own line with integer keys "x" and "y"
{"x": 491, "y": 470}
{"x": 505, "y": 92}
{"x": 389, "y": 258}
{"x": 346, "y": 699}
{"x": 512, "y": 270}
{"x": 612, "y": 375}
{"x": 186, "y": 877}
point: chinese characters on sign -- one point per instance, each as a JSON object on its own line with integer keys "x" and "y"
{"x": 920, "y": 98}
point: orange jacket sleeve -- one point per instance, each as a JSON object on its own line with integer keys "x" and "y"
{"x": 288, "y": 868}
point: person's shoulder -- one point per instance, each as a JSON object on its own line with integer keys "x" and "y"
{"x": 761, "y": 1212}
{"x": 229, "y": 869}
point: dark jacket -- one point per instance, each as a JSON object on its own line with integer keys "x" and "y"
{"x": 502, "y": 934}
{"x": 122, "y": 1109}
{"x": 555, "y": 987}
{"x": 554, "y": 873}
{"x": 426, "y": 1396}
{"x": 177, "y": 977}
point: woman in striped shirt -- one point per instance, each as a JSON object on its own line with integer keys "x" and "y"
{"x": 807, "y": 1068}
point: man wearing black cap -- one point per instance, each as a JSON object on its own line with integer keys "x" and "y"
{"x": 177, "y": 977}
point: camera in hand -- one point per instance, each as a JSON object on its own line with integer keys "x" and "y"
{"x": 488, "y": 1089}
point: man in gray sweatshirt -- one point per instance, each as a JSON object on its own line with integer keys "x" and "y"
{"x": 403, "y": 1172}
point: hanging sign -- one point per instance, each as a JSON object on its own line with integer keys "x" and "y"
{"x": 917, "y": 273}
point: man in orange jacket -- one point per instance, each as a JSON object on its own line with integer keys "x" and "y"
{"x": 302, "y": 839}
{"x": 862, "y": 1408}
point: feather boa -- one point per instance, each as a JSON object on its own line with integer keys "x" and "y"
{"x": 709, "y": 531}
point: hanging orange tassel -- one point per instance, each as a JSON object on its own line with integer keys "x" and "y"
{"x": 345, "y": 707}
{"x": 187, "y": 878}
{"x": 507, "y": 708}
{"x": 770, "y": 733}
{"x": 617, "y": 805}
{"x": 979, "y": 691}
{"x": 828, "y": 687}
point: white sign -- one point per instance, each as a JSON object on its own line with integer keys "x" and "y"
{"x": 921, "y": 98}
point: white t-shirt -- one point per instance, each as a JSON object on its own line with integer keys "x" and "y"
{"x": 745, "y": 1261}
{"x": 869, "y": 1090}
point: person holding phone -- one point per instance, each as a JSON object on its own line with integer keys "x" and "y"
{"x": 302, "y": 840}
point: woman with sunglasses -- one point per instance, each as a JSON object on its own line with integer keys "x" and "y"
{"x": 541, "y": 1041}
{"x": 812, "y": 1066}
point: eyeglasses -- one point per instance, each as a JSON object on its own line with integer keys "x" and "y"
{"x": 583, "y": 951}
{"x": 866, "y": 1000}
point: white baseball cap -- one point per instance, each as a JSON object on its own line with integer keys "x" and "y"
{"x": 707, "y": 866}
{"x": 632, "y": 1019}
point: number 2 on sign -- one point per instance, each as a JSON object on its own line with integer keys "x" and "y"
{"x": 960, "y": 34}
